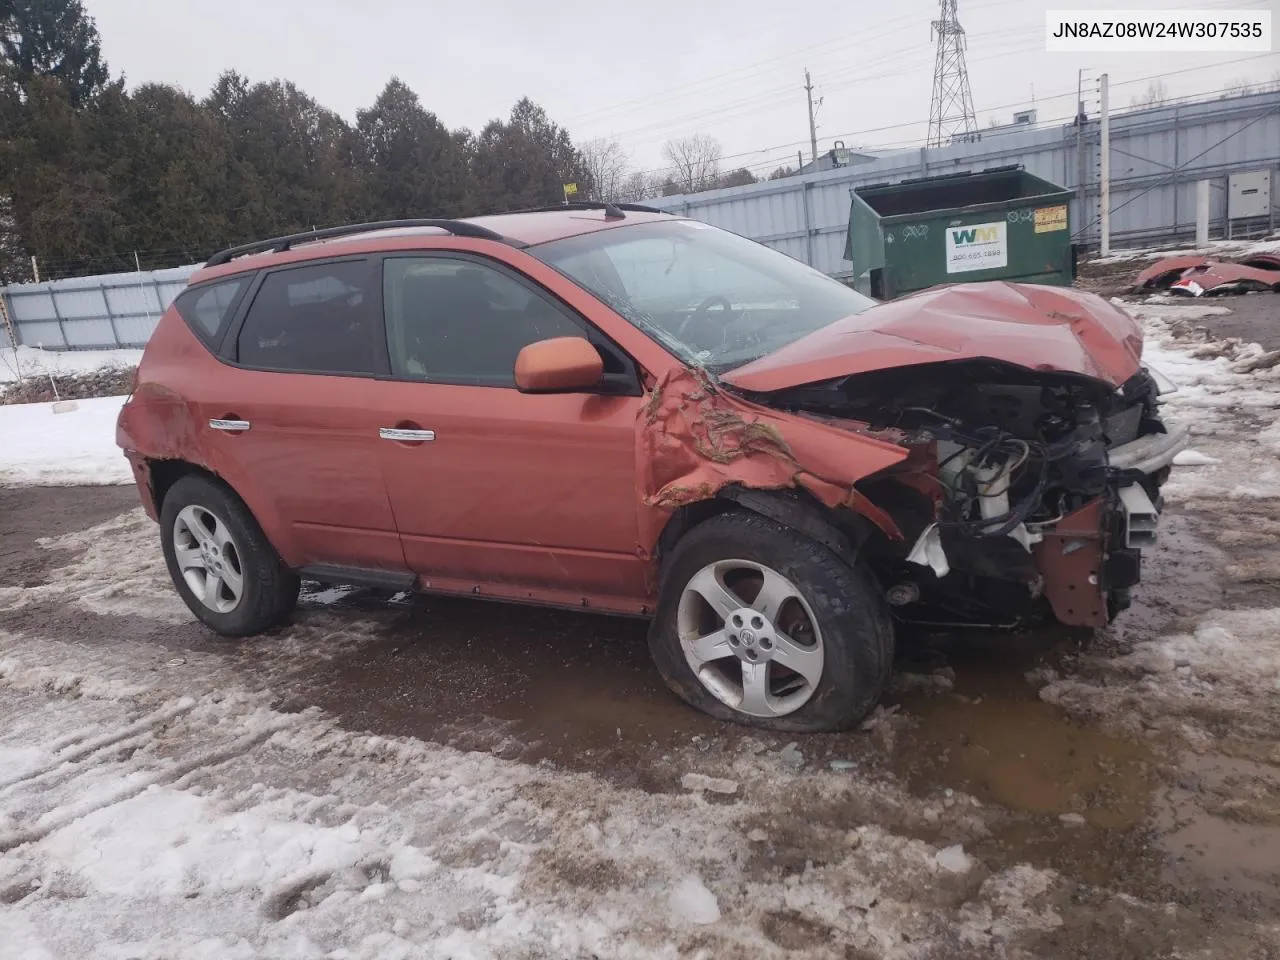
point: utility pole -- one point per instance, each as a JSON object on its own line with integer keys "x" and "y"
{"x": 813, "y": 130}
{"x": 1082, "y": 168}
{"x": 951, "y": 109}
{"x": 1104, "y": 176}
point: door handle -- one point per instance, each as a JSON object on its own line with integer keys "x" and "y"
{"x": 230, "y": 426}
{"x": 405, "y": 435}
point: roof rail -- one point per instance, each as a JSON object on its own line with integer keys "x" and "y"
{"x": 459, "y": 228}
{"x": 612, "y": 211}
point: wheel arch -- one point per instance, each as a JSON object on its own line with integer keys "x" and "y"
{"x": 164, "y": 473}
{"x": 841, "y": 531}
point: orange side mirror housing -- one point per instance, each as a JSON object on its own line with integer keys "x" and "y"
{"x": 558, "y": 365}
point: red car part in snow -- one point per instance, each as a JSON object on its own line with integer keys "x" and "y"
{"x": 1196, "y": 276}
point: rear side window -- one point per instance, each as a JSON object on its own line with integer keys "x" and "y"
{"x": 208, "y": 307}
{"x": 313, "y": 319}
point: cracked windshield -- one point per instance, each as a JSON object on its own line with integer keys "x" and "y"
{"x": 712, "y": 297}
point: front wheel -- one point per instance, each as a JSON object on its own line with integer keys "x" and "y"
{"x": 224, "y": 567}
{"x": 758, "y": 624}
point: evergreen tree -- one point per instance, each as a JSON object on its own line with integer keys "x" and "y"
{"x": 526, "y": 161}
{"x": 52, "y": 38}
{"x": 293, "y": 161}
{"x": 413, "y": 165}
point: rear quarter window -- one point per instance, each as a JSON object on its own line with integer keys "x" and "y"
{"x": 208, "y": 308}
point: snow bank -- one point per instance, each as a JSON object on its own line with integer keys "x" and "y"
{"x": 1229, "y": 249}
{"x": 33, "y": 360}
{"x": 1232, "y": 409}
{"x": 38, "y": 446}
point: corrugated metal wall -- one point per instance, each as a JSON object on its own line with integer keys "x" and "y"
{"x": 1157, "y": 155}
{"x": 82, "y": 313}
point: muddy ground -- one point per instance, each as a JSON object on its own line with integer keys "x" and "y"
{"x": 1116, "y": 794}
{"x": 1194, "y": 831}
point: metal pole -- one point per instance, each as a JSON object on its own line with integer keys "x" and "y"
{"x": 142, "y": 289}
{"x": 1202, "y": 214}
{"x": 1082, "y": 168}
{"x": 35, "y": 269}
{"x": 1177, "y": 140}
{"x": 813, "y": 130}
{"x": 1104, "y": 177}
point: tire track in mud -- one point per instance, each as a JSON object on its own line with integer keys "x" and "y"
{"x": 177, "y": 775}
{"x": 138, "y": 730}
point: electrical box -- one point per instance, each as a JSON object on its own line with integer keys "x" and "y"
{"x": 1249, "y": 195}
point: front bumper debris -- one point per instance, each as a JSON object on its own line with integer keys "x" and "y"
{"x": 1151, "y": 453}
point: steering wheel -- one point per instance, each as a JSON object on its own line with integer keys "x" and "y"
{"x": 701, "y": 315}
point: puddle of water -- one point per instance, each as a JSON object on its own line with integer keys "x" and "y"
{"x": 1026, "y": 755}
{"x": 1219, "y": 824}
{"x": 993, "y": 738}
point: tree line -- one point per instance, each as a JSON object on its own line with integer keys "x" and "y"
{"x": 91, "y": 172}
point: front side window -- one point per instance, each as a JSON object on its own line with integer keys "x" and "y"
{"x": 454, "y": 320}
{"x": 313, "y": 319}
{"x": 711, "y": 297}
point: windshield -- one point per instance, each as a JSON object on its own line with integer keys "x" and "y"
{"x": 713, "y": 298}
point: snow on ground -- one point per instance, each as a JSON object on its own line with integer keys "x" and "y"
{"x": 154, "y": 806}
{"x": 30, "y": 361}
{"x": 1233, "y": 410}
{"x": 1221, "y": 670}
{"x": 38, "y": 445}
{"x": 1232, "y": 249}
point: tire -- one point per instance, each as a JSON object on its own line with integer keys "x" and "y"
{"x": 268, "y": 590}
{"x": 849, "y": 619}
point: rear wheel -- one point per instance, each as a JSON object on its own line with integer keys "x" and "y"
{"x": 758, "y": 624}
{"x": 221, "y": 562}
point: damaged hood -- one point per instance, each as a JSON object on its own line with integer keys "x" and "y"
{"x": 1037, "y": 327}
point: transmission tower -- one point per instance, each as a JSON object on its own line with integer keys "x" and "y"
{"x": 951, "y": 111}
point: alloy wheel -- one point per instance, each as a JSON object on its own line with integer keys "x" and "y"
{"x": 750, "y": 637}
{"x": 208, "y": 558}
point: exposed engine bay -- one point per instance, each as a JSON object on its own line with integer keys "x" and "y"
{"x": 1023, "y": 491}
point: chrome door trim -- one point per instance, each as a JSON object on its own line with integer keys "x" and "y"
{"x": 230, "y": 426}
{"x": 403, "y": 435}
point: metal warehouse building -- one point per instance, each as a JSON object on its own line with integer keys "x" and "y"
{"x": 1157, "y": 155}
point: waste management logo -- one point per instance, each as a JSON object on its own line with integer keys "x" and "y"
{"x": 977, "y": 246}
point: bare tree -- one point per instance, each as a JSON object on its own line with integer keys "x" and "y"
{"x": 695, "y": 162}
{"x": 782, "y": 172}
{"x": 606, "y": 167}
{"x": 636, "y": 187}
{"x": 1240, "y": 87}
{"x": 1155, "y": 94}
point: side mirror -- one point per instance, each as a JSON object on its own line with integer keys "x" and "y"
{"x": 558, "y": 365}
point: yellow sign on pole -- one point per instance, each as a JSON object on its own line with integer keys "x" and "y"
{"x": 570, "y": 189}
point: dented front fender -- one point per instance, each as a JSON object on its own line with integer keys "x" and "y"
{"x": 694, "y": 438}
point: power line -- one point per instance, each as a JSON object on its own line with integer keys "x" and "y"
{"x": 859, "y": 38}
{"x": 1020, "y": 103}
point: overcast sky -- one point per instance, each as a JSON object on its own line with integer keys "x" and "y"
{"x": 642, "y": 72}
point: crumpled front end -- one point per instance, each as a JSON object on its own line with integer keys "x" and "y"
{"x": 1021, "y": 489}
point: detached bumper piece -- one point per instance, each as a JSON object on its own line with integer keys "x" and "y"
{"x": 1151, "y": 453}
{"x": 1140, "y": 517}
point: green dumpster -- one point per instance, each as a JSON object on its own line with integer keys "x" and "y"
{"x": 999, "y": 224}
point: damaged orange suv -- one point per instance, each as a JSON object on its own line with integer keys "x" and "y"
{"x": 606, "y": 408}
